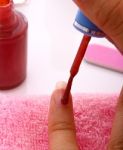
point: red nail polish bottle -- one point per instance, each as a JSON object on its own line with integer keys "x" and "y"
{"x": 13, "y": 45}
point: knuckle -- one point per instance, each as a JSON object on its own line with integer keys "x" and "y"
{"x": 108, "y": 16}
{"x": 115, "y": 145}
{"x": 99, "y": 13}
{"x": 62, "y": 126}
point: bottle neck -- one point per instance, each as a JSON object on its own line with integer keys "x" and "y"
{"x": 7, "y": 15}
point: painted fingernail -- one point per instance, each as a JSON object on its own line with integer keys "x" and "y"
{"x": 57, "y": 97}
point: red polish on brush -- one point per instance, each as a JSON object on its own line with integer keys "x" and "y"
{"x": 75, "y": 67}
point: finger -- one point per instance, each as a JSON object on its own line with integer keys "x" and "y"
{"x": 110, "y": 40}
{"x": 116, "y": 141}
{"x": 62, "y": 135}
{"x": 107, "y": 15}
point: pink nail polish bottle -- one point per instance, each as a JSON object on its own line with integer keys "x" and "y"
{"x": 13, "y": 45}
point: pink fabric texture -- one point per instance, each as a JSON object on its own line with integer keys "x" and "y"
{"x": 23, "y": 121}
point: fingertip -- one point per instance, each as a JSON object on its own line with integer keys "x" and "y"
{"x": 58, "y": 93}
{"x": 60, "y": 85}
{"x": 56, "y": 97}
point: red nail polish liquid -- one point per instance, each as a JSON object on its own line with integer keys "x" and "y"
{"x": 13, "y": 45}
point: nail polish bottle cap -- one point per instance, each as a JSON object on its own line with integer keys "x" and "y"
{"x": 84, "y": 25}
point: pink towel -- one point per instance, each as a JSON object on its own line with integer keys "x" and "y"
{"x": 23, "y": 121}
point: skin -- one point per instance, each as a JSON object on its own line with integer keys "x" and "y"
{"x": 108, "y": 16}
{"x": 62, "y": 135}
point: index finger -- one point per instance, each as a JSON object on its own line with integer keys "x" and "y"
{"x": 62, "y": 134}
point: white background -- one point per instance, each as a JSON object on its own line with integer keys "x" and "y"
{"x": 52, "y": 45}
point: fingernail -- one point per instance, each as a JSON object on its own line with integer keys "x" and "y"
{"x": 65, "y": 100}
{"x": 60, "y": 85}
{"x": 58, "y": 97}
{"x": 59, "y": 94}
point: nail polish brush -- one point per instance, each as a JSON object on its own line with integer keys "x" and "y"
{"x": 84, "y": 25}
{"x": 75, "y": 66}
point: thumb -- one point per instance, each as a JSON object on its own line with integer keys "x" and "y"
{"x": 107, "y": 15}
{"x": 62, "y": 135}
{"x": 116, "y": 140}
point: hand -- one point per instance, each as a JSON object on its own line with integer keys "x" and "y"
{"x": 62, "y": 134}
{"x": 107, "y": 15}
{"x": 61, "y": 127}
